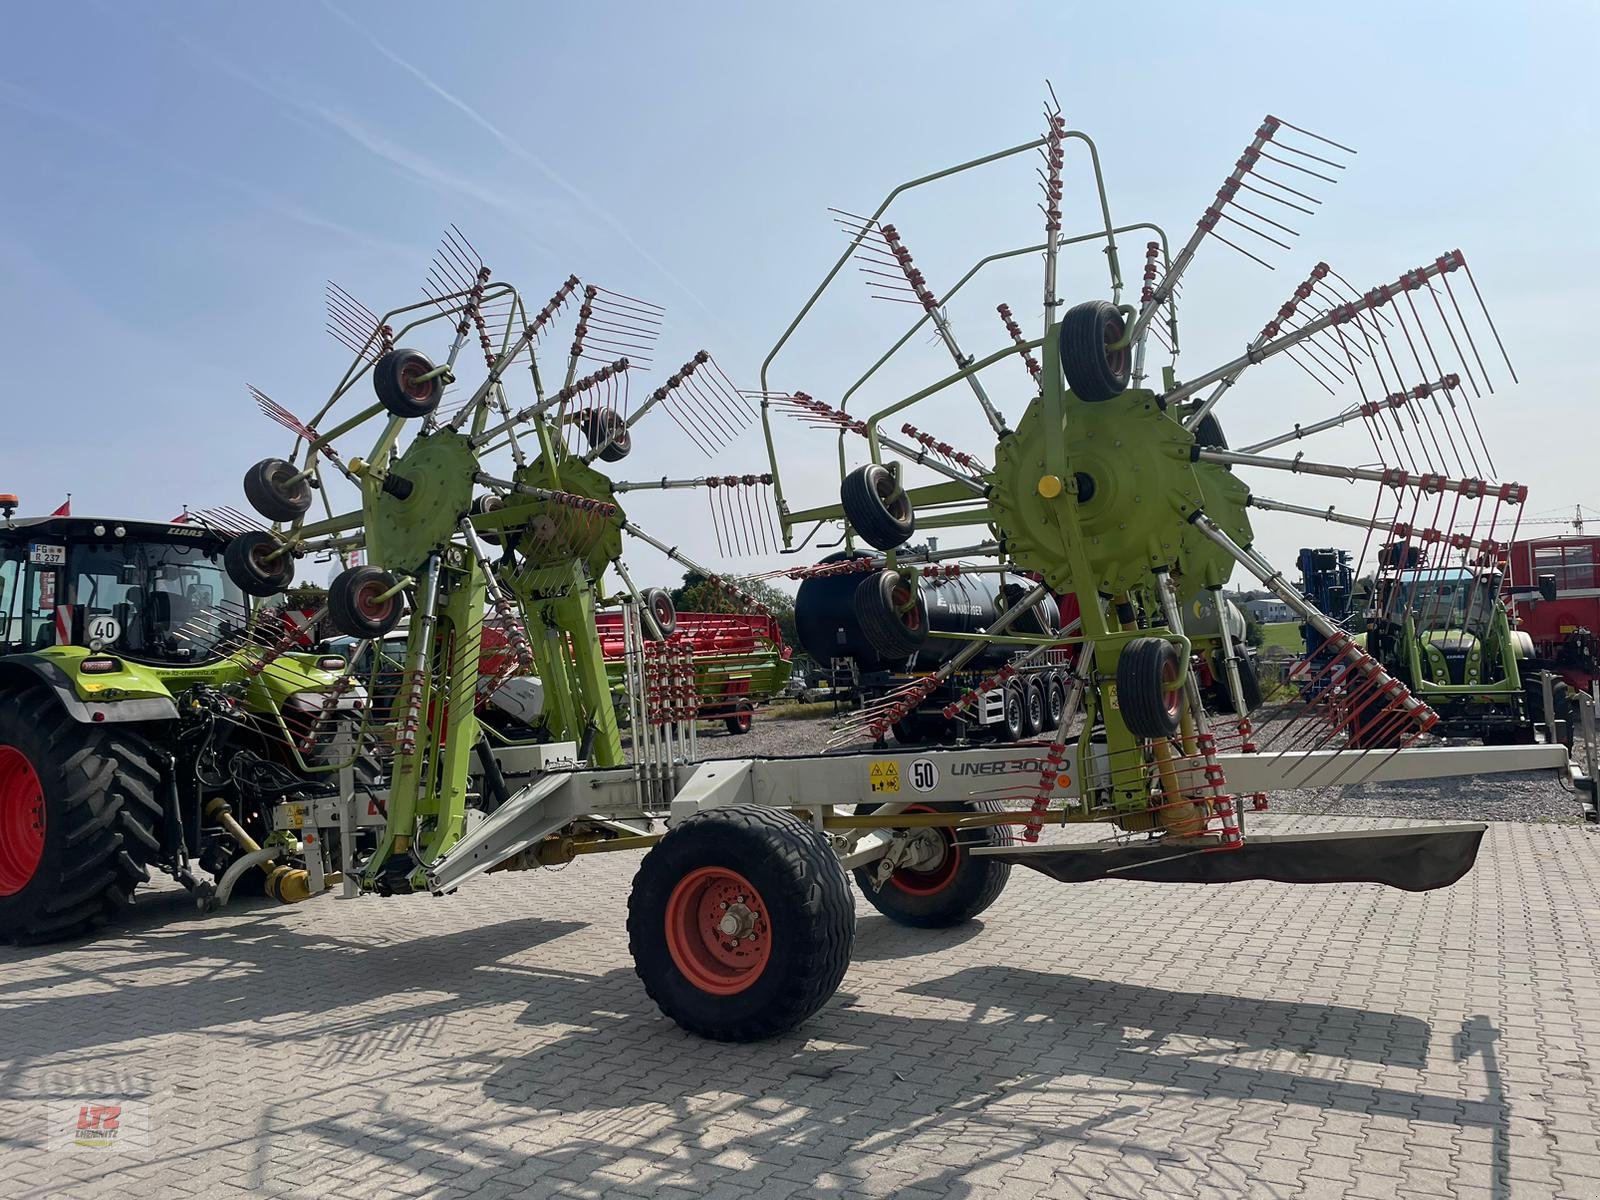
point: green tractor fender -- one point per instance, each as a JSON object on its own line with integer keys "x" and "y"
{"x": 131, "y": 693}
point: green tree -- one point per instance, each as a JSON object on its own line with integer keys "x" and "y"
{"x": 698, "y": 594}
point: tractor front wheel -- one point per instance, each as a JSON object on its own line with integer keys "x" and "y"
{"x": 79, "y": 807}
{"x": 740, "y": 923}
{"x": 940, "y": 883}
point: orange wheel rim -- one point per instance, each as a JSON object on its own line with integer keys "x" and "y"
{"x": 21, "y": 821}
{"x": 718, "y": 933}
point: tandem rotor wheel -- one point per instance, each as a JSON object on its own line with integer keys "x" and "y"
{"x": 940, "y": 883}
{"x": 741, "y": 923}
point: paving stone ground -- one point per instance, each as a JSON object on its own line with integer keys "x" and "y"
{"x": 1108, "y": 1039}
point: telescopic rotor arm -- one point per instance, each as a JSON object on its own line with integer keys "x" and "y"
{"x": 1339, "y": 314}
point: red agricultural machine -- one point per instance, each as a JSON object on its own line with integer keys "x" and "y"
{"x": 1555, "y": 601}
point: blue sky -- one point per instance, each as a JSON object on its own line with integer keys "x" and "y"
{"x": 184, "y": 178}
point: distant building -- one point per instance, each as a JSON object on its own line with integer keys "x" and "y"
{"x": 1268, "y": 612}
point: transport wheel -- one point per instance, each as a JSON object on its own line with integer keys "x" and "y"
{"x": 358, "y": 606}
{"x": 248, "y": 565}
{"x": 1562, "y": 699}
{"x": 1093, "y": 371}
{"x": 397, "y": 379}
{"x": 743, "y": 717}
{"x": 740, "y": 922}
{"x": 1146, "y": 670}
{"x": 1012, "y": 720}
{"x": 79, "y": 806}
{"x": 1033, "y": 722}
{"x": 1036, "y": 621}
{"x": 606, "y": 427}
{"x": 1249, "y": 681}
{"x": 1055, "y": 700}
{"x": 940, "y": 884}
{"x": 274, "y": 492}
{"x": 908, "y": 731}
{"x": 877, "y": 507}
{"x": 659, "y": 602}
{"x": 1208, "y": 434}
{"x": 892, "y": 614}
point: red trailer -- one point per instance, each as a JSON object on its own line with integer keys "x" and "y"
{"x": 740, "y": 660}
{"x": 1564, "y": 629}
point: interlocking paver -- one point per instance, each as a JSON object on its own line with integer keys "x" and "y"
{"x": 1114, "y": 1039}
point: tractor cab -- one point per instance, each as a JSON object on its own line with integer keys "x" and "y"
{"x": 150, "y": 592}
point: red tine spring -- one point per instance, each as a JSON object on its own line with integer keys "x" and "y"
{"x": 1015, "y": 331}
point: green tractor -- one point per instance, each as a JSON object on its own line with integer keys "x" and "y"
{"x": 1445, "y": 632}
{"x": 140, "y": 718}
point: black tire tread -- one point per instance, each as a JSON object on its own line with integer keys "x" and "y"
{"x": 880, "y": 625}
{"x": 1144, "y": 711}
{"x": 966, "y": 903}
{"x": 110, "y": 811}
{"x": 1083, "y": 353}
{"x": 863, "y": 508}
{"x": 782, "y": 841}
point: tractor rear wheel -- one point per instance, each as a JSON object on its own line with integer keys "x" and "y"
{"x": 1562, "y": 699}
{"x": 79, "y": 807}
{"x": 740, "y": 922}
{"x": 1094, "y": 371}
{"x": 944, "y": 884}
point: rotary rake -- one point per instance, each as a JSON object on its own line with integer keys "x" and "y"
{"x": 489, "y": 509}
{"x": 1113, "y": 483}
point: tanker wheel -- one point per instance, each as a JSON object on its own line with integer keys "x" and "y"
{"x": 78, "y": 811}
{"x": 940, "y": 884}
{"x": 1094, "y": 371}
{"x": 743, "y": 717}
{"x": 1147, "y": 670}
{"x": 1012, "y": 721}
{"x": 740, "y": 922}
{"x": 1034, "y": 720}
{"x": 877, "y": 507}
{"x": 1561, "y": 695}
{"x": 1055, "y": 698}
